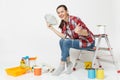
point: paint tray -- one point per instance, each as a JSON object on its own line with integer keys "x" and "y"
{"x": 15, "y": 71}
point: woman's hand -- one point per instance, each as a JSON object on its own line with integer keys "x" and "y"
{"x": 49, "y": 25}
{"x": 77, "y": 29}
{"x": 55, "y": 31}
{"x": 81, "y": 31}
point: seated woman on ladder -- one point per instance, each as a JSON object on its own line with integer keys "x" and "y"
{"x": 74, "y": 34}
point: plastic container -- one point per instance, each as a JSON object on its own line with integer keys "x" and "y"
{"x": 16, "y": 71}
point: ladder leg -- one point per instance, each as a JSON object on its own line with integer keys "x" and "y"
{"x": 110, "y": 49}
{"x": 76, "y": 61}
{"x": 96, "y": 51}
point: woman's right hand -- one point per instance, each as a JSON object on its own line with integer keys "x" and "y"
{"x": 49, "y": 25}
{"x": 55, "y": 31}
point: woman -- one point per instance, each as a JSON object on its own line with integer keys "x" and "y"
{"x": 74, "y": 34}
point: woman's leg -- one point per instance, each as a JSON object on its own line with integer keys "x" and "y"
{"x": 69, "y": 64}
{"x": 61, "y": 67}
{"x": 65, "y": 45}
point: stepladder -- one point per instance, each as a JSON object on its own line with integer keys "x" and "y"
{"x": 97, "y": 48}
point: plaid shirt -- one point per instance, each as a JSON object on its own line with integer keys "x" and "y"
{"x": 68, "y": 30}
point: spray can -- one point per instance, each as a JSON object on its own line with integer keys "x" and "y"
{"x": 32, "y": 62}
{"x": 22, "y": 63}
{"x": 27, "y": 61}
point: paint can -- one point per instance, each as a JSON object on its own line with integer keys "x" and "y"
{"x": 100, "y": 73}
{"x": 37, "y": 71}
{"x": 102, "y": 29}
{"x": 91, "y": 73}
{"x": 88, "y": 65}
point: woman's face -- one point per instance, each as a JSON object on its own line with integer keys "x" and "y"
{"x": 62, "y": 13}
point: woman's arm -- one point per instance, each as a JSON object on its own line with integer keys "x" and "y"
{"x": 56, "y": 31}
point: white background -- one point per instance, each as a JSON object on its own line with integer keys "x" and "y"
{"x": 23, "y": 30}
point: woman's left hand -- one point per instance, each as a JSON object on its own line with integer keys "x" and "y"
{"x": 77, "y": 29}
{"x": 81, "y": 31}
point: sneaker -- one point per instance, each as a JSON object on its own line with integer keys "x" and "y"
{"x": 69, "y": 67}
{"x": 59, "y": 70}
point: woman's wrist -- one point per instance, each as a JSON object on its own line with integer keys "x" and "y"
{"x": 52, "y": 28}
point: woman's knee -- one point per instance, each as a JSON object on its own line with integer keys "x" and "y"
{"x": 61, "y": 41}
{"x": 67, "y": 42}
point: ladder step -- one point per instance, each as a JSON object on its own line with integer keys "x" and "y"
{"x": 98, "y": 35}
{"x": 103, "y": 48}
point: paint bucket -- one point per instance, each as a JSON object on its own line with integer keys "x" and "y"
{"x": 91, "y": 73}
{"x": 102, "y": 29}
{"x": 87, "y": 65}
{"x": 37, "y": 71}
{"x": 100, "y": 73}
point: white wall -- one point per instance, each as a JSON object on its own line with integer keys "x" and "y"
{"x": 23, "y": 29}
{"x": 116, "y": 28}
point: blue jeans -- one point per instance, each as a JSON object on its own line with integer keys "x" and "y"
{"x": 66, "y": 44}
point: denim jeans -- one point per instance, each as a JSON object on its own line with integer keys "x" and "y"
{"x": 66, "y": 44}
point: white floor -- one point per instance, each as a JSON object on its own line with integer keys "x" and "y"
{"x": 110, "y": 71}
